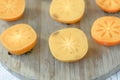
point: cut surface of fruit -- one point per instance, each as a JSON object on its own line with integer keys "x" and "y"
{"x": 67, "y": 11}
{"x": 106, "y": 30}
{"x": 19, "y": 39}
{"x": 11, "y": 10}
{"x": 68, "y": 44}
{"x": 109, "y": 5}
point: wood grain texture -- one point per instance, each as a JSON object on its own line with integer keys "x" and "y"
{"x": 99, "y": 63}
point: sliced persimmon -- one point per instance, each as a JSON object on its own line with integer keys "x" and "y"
{"x": 19, "y": 39}
{"x": 106, "y": 30}
{"x": 109, "y": 5}
{"x": 67, "y": 11}
{"x": 68, "y": 44}
{"x": 11, "y": 10}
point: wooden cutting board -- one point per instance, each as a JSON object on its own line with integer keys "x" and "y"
{"x": 99, "y": 63}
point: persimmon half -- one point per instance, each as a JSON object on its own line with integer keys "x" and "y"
{"x": 68, "y": 45}
{"x": 106, "y": 30}
{"x": 11, "y": 10}
{"x": 19, "y": 39}
{"x": 110, "y": 6}
{"x": 67, "y": 11}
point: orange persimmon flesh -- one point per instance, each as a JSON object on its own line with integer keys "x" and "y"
{"x": 110, "y": 6}
{"x": 19, "y": 39}
{"x": 11, "y": 10}
{"x": 67, "y": 11}
{"x": 106, "y": 30}
{"x": 68, "y": 45}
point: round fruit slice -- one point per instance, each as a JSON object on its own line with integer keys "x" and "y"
{"x": 109, "y": 5}
{"x": 68, "y": 45}
{"x": 19, "y": 39}
{"x": 11, "y": 10}
{"x": 106, "y": 30}
{"x": 67, "y": 11}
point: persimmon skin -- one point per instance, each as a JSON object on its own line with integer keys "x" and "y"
{"x": 106, "y": 43}
{"x": 68, "y": 22}
{"x": 108, "y": 9}
{"x": 13, "y": 19}
{"x": 25, "y": 50}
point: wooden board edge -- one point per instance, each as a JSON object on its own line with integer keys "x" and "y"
{"x": 17, "y": 75}
{"x": 102, "y": 77}
{"x": 108, "y": 74}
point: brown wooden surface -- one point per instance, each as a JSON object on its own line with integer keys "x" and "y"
{"x": 99, "y": 63}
